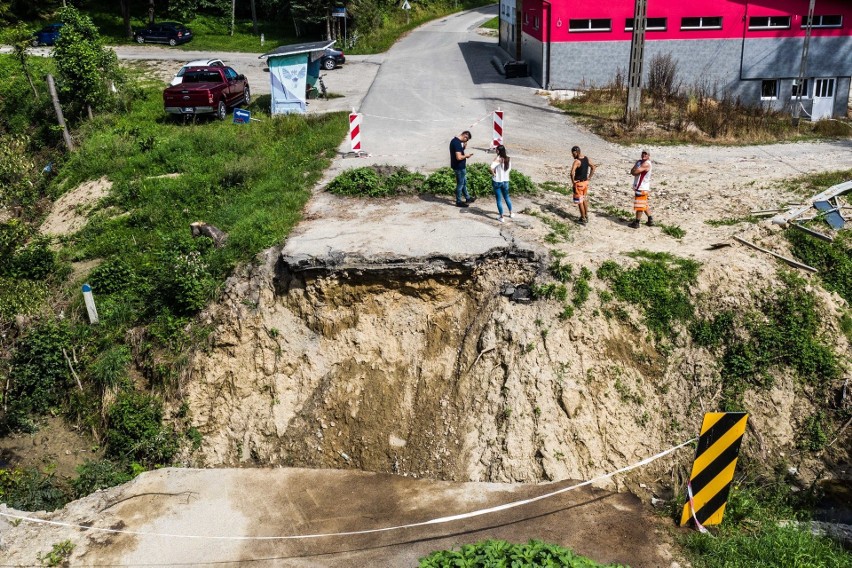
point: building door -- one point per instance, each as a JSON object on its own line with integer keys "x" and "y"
{"x": 823, "y": 99}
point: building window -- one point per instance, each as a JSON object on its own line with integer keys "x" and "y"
{"x": 824, "y": 22}
{"x": 769, "y": 90}
{"x": 537, "y": 23}
{"x": 592, "y": 25}
{"x": 651, "y": 25}
{"x": 703, "y": 23}
{"x": 768, "y": 22}
{"x": 797, "y": 88}
{"x": 526, "y": 18}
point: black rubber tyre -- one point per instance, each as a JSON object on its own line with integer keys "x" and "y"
{"x": 221, "y": 111}
{"x": 140, "y": 39}
{"x": 328, "y": 64}
{"x": 246, "y": 96}
{"x": 172, "y": 42}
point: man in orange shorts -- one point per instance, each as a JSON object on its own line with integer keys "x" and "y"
{"x": 641, "y": 172}
{"x": 582, "y": 171}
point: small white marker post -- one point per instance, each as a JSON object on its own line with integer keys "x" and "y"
{"x": 90, "y": 304}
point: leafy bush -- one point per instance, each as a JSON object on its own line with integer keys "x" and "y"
{"x": 112, "y": 275}
{"x": 183, "y": 280}
{"x": 501, "y": 553}
{"x": 95, "y": 475}
{"x": 40, "y": 375}
{"x": 443, "y": 181}
{"x": 135, "y": 431}
{"x": 35, "y": 261}
{"x": 109, "y": 370}
{"x": 20, "y": 297}
{"x": 375, "y": 181}
{"x": 31, "y": 490}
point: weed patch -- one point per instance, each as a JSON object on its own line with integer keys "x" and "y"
{"x": 673, "y": 231}
{"x": 658, "y": 285}
{"x": 833, "y": 261}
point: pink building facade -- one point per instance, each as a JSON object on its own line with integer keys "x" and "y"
{"x": 751, "y": 49}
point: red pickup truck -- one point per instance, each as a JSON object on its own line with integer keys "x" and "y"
{"x": 207, "y": 90}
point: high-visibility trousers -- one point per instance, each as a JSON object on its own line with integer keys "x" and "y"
{"x": 581, "y": 188}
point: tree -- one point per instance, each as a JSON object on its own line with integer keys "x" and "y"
{"x": 20, "y": 38}
{"x": 85, "y": 67}
{"x": 125, "y": 18}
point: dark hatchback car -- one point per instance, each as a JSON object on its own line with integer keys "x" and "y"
{"x": 332, "y": 58}
{"x": 171, "y": 33}
{"x": 47, "y": 35}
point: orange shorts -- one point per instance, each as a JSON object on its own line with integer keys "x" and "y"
{"x": 640, "y": 202}
{"x": 581, "y": 189}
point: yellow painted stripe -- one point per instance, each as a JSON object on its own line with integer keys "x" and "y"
{"x": 718, "y": 447}
{"x": 719, "y": 482}
{"x": 716, "y": 518}
{"x": 710, "y": 420}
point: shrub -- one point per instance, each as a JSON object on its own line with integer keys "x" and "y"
{"x": 443, "y": 181}
{"x": 662, "y": 76}
{"x": 95, "y": 475}
{"x": 183, "y": 281}
{"x": 40, "y": 375}
{"x": 501, "y": 553}
{"x": 135, "y": 431}
{"x": 110, "y": 368}
{"x": 376, "y": 181}
{"x": 31, "y": 490}
{"x": 112, "y": 275}
{"x": 832, "y": 260}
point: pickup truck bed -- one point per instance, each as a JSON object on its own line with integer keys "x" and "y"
{"x": 207, "y": 90}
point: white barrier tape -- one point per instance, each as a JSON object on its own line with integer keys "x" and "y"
{"x": 692, "y": 508}
{"x": 425, "y": 121}
{"x": 439, "y": 520}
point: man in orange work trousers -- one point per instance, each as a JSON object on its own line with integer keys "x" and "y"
{"x": 582, "y": 171}
{"x": 641, "y": 172}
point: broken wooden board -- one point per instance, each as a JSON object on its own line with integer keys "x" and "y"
{"x": 813, "y": 233}
{"x": 789, "y": 261}
{"x": 832, "y": 215}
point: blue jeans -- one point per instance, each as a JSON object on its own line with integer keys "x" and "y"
{"x": 501, "y": 189}
{"x": 461, "y": 185}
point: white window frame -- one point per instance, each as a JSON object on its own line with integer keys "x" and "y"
{"x": 628, "y": 25}
{"x": 817, "y": 21}
{"x": 772, "y": 23}
{"x": 763, "y": 83}
{"x": 701, "y": 25}
{"x": 806, "y": 94}
{"x": 589, "y": 21}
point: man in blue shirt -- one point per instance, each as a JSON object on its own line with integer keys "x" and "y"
{"x": 458, "y": 162}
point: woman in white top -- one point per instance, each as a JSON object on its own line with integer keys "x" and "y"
{"x": 500, "y": 169}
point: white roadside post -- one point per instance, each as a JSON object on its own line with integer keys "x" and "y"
{"x": 90, "y": 304}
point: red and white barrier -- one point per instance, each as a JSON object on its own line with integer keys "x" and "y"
{"x": 355, "y": 132}
{"x": 497, "y": 129}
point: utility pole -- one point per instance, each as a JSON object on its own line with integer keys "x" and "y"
{"x": 803, "y": 65}
{"x": 637, "y": 52}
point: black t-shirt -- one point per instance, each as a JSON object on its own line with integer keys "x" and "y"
{"x": 582, "y": 171}
{"x": 456, "y": 145}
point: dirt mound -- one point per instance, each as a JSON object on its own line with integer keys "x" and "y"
{"x": 69, "y": 213}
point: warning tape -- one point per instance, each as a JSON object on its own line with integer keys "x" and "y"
{"x": 437, "y": 521}
{"x": 426, "y": 121}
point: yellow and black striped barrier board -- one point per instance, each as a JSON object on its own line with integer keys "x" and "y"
{"x": 713, "y": 468}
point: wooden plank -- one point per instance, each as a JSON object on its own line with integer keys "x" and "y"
{"x": 832, "y": 191}
{"x": 813, "y": 233}
{"x": 789, "y": 261}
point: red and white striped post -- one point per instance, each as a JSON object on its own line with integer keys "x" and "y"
{"x": 497, "y": 129}
{"x": 355, "y": 132}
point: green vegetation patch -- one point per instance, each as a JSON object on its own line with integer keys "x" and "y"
{"x": 784, "y": 330}
{"x": 501, "y": 553}
{"x": 833, "y": 261}
{"x": 658, "y": 286}
{"x": 760, "y": 530}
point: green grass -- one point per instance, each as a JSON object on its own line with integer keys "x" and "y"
{"x": 673, "y": 231}
{"x": 492, "y": 24}
{"x": 730, "y": 221}
{"x": 752, "y": 536}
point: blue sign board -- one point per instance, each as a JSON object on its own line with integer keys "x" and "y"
{"x": 241, "y": 116}
{"x": 338, "y": 12}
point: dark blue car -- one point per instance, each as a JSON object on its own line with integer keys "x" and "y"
{"x": 47, "y": 35}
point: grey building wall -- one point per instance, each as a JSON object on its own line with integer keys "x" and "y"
{"x": 714, "y": 64}
{"x": 532, "y": 52}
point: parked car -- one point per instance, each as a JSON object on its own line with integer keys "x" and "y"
{"x": 171, "y": 33}
{"x": 207, "y": 90}
{"x": 178, "y": 78}
{"x": 332, "y": 58}
{"x": 47, "y": 35}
